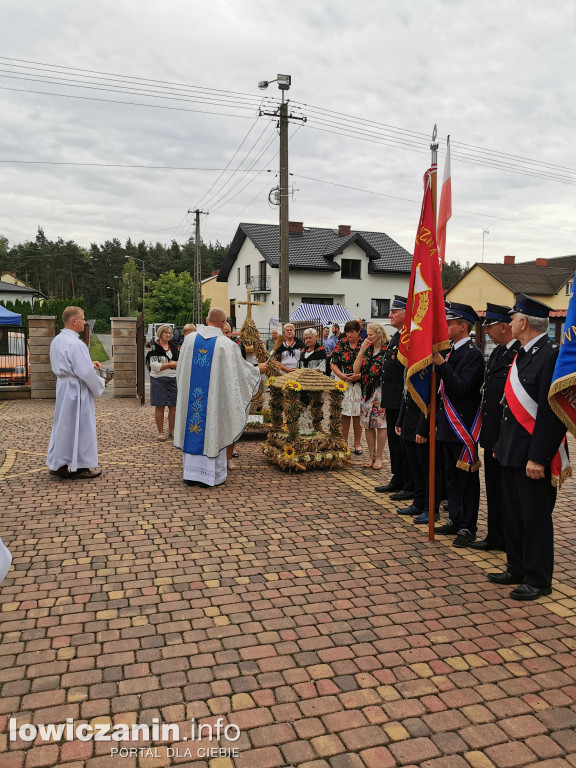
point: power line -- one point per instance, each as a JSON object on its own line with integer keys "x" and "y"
{"x": 137, "y": 92}
{"x": 56, "y": 70}
{"x": 219, "y": 193}
{"x": 129, "y": 103}
{"x": 344, "y": 118}
{"x": 218, "y": 203}
{"x": 228, "y": 164}
{"x": 239, "y": 213}
{"x": 374, "y": 139}
{"x": 121, "y": 165}
{"x": 419, "y": 202}
{"x": 323, "y": 114}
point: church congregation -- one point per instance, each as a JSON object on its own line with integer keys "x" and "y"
{"x": 209, "y": 383}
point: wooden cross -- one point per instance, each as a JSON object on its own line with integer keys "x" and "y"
{"x": 249, "y": 304}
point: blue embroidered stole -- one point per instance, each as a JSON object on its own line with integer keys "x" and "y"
{"x": 198, "y": 395}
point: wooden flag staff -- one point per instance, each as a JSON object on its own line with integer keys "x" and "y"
{"x": 432, "y": 435}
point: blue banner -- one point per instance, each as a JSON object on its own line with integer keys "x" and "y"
{"x": 198, "y": 394}
{"x": 562, "y": 395}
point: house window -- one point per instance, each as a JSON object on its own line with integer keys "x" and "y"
{"x": 315, "y": 300}
{"x": 238, "y": 277}
{"x": 247, "y": 274}
{"x": 350, "y": 269}
{"x": 569, "y": 288}
{"x": 379, "y": 307}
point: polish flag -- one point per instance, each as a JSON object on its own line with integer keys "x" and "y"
{"x": 445, "y": 209}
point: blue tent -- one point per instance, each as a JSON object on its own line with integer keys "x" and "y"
{"x": 9, "y": 318}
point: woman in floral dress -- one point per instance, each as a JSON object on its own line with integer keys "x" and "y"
{"x": 342, "y": 364}
{"x": 372, "y": 416}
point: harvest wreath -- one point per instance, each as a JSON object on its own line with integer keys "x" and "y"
{"x": 293, "y": 445}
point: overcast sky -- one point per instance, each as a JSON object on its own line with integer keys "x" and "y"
{"x": 495, "y": 76}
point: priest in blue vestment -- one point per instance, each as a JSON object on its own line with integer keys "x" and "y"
{"x": 215, "y": 388}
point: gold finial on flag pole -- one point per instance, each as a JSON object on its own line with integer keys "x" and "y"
{"x": 434, "y": 166}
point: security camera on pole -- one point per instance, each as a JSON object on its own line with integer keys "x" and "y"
{"x": 284, "y": 82}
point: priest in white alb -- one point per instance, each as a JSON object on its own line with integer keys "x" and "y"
{"x": 73, "y": 451}
{"x": 215, "y": 388}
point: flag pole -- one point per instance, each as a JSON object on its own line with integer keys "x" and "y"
{"x": 432, "y": 435}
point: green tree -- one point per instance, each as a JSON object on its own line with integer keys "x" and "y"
{"x": 451, "y": 273}
{"x": 169, "y": 296}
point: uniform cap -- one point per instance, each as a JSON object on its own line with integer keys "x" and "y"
{"x": 456, "y": 311}
{"x": 526, "y": 305}
{"x": 496, "y": 313}
{"x": 399, "y": 302}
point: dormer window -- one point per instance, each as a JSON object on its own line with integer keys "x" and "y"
{"x": 350, "y": 269}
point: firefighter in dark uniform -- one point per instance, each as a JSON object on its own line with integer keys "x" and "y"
{"x": 414, "y": 428}
{"x": 526, "y": 456}
{"x": 462, "y": 374}
{"x": 497, "y": 324}
{"x": 392, "y": 387}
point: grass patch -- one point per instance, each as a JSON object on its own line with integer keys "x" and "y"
{"x": 97, "y": 351}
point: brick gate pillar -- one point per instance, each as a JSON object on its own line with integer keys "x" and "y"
{"x": 41, "y": 331}
{"x": 124, "y": 355}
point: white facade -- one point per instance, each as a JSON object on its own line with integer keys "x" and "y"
{"x": 354, "y": 294}
{"x": 26, "y": 295}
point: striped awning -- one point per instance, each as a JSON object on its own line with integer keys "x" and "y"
{"x": 324, "y": 314}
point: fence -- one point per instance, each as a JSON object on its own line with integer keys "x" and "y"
{"x": 14, "y": 355}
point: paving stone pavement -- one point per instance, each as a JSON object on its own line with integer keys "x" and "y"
{"x": 300, "y": 608}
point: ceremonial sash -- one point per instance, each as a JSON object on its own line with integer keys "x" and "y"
{"x": 524, "y": 409}
{"x": 202, "y": 355}
{"x": 468, "y": 460}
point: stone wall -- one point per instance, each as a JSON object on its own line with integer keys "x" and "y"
{"x": 41, "y": 331}
{"x": 124, "y": 355}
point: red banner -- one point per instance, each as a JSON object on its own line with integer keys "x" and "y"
{"x": 425, "y": 329}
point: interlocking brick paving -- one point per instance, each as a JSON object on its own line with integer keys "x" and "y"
{"x": 300, "y": 608}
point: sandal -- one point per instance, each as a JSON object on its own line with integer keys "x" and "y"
{"x": 161, "y": 437}
{"x": 375, "y": 465}
{"x": 358, "y": 451}
{"x": 86, "y": 474}
{"x": 170, "y": 435}
{"x": 62, "y": 471}
{"x": 369, "y": 465}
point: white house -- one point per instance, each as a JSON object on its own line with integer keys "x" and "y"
{"x": 12, "y": 289}
{"x": 359, "y": 270}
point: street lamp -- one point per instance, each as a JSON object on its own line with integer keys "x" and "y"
{"x": 111, "y": 288}
{"x": 284, "y": 83}
{"x": 484, "y": 233}
{"x": 143, "y": 277}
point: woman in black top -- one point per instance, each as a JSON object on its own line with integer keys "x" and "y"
{"x": 161, "y": 361}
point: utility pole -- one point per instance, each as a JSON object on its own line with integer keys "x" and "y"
{"x": 197, "y": 272}
{"x": 284, "y": 261}
{"x": 284, "y": 82}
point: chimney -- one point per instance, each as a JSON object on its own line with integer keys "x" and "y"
{"x": 509, "y": 259}
{"x": 295, "y": 227}
{"x": 344, "y": 230}
{"x": 541, "y": 262}
{"x": 214, "y": 272}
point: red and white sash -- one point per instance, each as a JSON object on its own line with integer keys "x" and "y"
{"x": 524, "y": 409}
{"x": 469, "y": 457}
